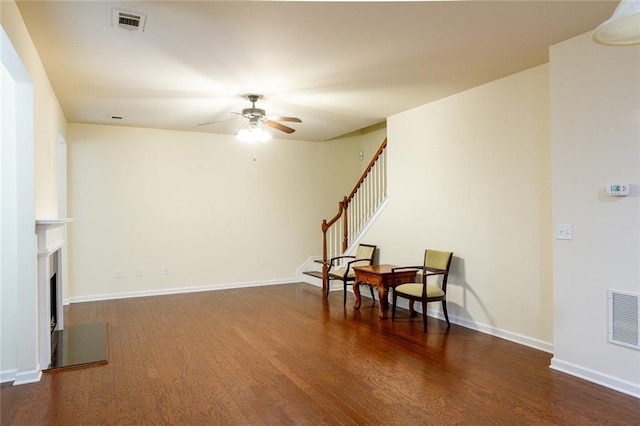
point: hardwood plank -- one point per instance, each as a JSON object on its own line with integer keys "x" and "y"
{"x": 283, "y": 355}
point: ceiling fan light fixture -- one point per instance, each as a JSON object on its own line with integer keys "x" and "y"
{"x": 623, "y": 28}
{"x": 253, "y": 134}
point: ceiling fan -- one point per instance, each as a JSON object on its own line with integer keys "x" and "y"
{"x": 257, "y": 116}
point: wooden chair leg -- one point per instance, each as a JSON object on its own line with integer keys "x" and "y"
{"x": 424, "y": 315}
{"x": 446, "y": 315}
{"x": 393, "y": 309}
{"x": 372, "y": 296}
{"x": 344, "y": 298}
{"x": 412, "y": 311}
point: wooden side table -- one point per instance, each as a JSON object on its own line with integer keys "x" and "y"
{"x": 380, "y": 276}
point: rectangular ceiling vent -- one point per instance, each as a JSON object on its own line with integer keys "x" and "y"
{"x": 129, "y": 21}
{"x": 624, "y": 318}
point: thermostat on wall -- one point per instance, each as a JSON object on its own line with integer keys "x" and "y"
{"x": 618, "y": 189}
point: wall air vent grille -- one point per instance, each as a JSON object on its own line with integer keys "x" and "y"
{"x": 129, "y": 21}
{"x": 624, "y": 318}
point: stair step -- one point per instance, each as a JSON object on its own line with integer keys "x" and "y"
{"x": 320, "y": 261}
{"x": 316, "y": 274}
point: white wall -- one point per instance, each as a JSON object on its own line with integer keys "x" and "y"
{"x": 471, "y": 174}
{"x": 17, "y": 261}
{"x": 8, "y": 225}
{"x": 595, "y": 105}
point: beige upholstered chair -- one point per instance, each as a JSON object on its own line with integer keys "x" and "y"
{"x": 436, "y": 265}
{"x": 341, "y": 267}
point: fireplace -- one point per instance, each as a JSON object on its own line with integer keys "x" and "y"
{"x": 51, "y": 279}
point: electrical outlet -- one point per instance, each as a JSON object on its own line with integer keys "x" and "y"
{"x": 118, "y": 274}
{"x": 263, "y": 264}
{"x": 139, "y": 272}
{"x": 165, "y": 270}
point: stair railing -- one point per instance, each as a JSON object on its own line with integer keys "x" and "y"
{"x": 354, "y": 211}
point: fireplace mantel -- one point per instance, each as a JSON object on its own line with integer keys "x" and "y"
{"x": 48, "y": 240}
{"x": 54, "y": 222}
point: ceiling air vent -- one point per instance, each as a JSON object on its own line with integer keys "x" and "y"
{"x": 129, "y": 21}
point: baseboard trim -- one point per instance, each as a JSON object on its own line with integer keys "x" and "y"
{"x": 8, "y": 376}
{"x": 24, "y": 377}
{"x": 484, "y": 328}
{"x": 596, "y": 377}
{"x": 497, "y": 332}
{"x": 179, "y": 290}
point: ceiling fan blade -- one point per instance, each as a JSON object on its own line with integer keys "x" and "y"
{"x": 279, "y": 126}
{"x": 210, "y": 122}
{"x": 219, "y": 121}
{"x": 291, "y": 119}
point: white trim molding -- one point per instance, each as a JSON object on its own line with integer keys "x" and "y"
{"x": 8, "y": 375}
{"x": 596, "y": 377}
{"x": 497, "y": 332}
{"x": 25, "y": 377}
{"x": 179, "y": 290}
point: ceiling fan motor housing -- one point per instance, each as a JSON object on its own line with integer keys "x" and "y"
{"x": 253, "y": 112}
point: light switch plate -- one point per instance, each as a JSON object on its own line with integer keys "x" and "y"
{"x": 564, "y": 231}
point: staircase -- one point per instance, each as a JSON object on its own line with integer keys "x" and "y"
{"x": 355, "y": 213}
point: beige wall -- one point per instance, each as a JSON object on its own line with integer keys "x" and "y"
{"x": 194, "y": 203}
{"x": 471, "y": 174}
{"x": 343, "y": 164}
{"x": 595, "y": 105}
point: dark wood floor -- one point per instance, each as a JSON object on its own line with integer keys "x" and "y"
{"x": 282, "y": 355}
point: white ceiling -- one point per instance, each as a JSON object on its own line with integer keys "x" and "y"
{"x": 339, "y": 66}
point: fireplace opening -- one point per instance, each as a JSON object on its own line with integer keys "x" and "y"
{"x": 53, "y": 285}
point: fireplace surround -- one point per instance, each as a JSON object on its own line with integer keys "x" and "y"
{"x": 51, "y": 263}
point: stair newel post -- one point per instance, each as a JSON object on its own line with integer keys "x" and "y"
{"x": 325, "y": 267}
{"x": 345, "y": 221}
